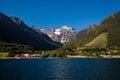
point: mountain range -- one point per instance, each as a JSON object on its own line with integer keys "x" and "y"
{"x": 62, "y": 35}
{"x": 106, "y": 34}
{"x": 12, "y": 29}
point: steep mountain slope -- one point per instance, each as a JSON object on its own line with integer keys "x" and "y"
{"x": 111, "y": 26}
{"x": 62, "y": 35}
{"x": 113, "y": 23}
{"x": 86, "y": 31}
{"x": 13, "y": 29}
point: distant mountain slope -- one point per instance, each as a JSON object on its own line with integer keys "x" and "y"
{"x": 86, "y": 31}
{"x": 12, "y": 29}
{"x": 111, "y": 26}
{"x": 62, "y": 35}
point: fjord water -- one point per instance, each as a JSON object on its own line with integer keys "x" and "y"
{"x": 60, "y": 69}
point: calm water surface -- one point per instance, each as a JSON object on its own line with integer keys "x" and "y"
{"x": 60, "y": 69}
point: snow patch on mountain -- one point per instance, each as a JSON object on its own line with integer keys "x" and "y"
{"x": 57, "y": 31}
{"x": 63, "y": 34}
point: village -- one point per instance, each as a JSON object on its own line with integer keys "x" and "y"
{"x": 26, "y": 55}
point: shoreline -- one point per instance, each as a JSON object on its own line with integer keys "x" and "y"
{"x": 101, "y": 56}
{"x": 68, "y": 56}
{"x": 20, "y": 58}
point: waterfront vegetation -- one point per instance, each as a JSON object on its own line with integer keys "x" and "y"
{"x": 3, "y": 54}
{"x": 12, "y": 49}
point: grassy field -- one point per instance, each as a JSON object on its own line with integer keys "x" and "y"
{"x": 3, "y": 54}
{"x": 99, "y": 41}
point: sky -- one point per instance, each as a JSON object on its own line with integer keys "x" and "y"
{"x": 78, "y": 14}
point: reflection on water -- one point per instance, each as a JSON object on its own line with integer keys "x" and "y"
{"x": 60, "y": 69}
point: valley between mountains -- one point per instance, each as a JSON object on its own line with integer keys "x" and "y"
{"x": 22, "y": 41}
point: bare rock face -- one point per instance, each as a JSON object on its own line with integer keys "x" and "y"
{"x": 62, "y": 35}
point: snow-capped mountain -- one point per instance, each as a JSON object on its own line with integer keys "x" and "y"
{"x": 63, "y": 34}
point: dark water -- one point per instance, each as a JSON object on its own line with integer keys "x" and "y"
{"x": 60, "y": 69}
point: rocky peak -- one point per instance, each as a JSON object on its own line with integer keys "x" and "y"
{"x": 10, "y": 20}
{"x": 4, "y": 18}
{"x": 116, "y": 15}
{"x": 19, "y": 23}
{"x": 16, "y": 20}
{"x": 92, "y": 27}
{"x": 62, "y": 34}
{"x": 86, "y": 31}
{"x": 66, "y": 28}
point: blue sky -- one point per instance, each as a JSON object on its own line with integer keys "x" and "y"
{"x": 56, "y": 13}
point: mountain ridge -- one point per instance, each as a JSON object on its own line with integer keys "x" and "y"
{"x": 62, "y": 35}
{"x": 111, "y": 25}
{"x": 13, "y": 29}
